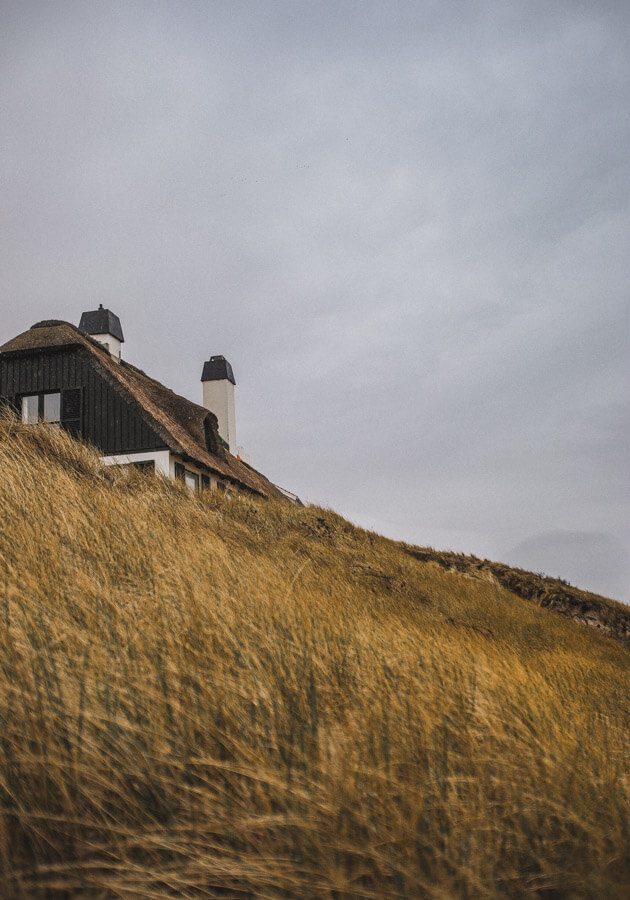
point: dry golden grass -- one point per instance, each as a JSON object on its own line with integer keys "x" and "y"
{"x": 205, "y": 698}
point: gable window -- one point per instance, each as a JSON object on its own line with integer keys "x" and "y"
{"x": 41, "y": 408}
{"x": 30, "y": 409}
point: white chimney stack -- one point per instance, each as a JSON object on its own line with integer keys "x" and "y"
{"x": 218, "y": 383}
{"x": 104, "y": 326}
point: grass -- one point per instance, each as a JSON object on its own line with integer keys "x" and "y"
{"x": 212, "y": 698}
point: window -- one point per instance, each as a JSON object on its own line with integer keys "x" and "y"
{"x": 41, "y": 408}
{"x": 55, "y": 407}
{"x": 52, "y": 408}
{"x": 30, "y": 409}
{"x": 191, "y": 481}
{"x": 226, "y": 488}
{"x": 143, "y": 465}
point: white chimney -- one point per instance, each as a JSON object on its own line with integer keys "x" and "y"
{"x": 104, "y": 326}
{"x": 218, "y": 383}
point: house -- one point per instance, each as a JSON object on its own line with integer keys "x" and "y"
{"x": 77, "y": 379}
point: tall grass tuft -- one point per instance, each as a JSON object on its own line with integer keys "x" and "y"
{"x": 211, "y": 698}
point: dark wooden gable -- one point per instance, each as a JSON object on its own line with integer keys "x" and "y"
{"x": 91, "y": 406}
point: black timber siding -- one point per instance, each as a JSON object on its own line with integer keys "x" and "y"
{"x": 107, "y": 420}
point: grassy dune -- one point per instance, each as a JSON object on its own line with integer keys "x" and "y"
{"x": 205, "y": 698}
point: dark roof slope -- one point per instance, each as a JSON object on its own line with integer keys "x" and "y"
{"x": 101, "y": 321}
{"x": 181, "y": 424}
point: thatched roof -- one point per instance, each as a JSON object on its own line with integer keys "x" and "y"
{"x": 184, "y": 426}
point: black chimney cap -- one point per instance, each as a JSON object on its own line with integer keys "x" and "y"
{"x": 101, "y": 321}
{"x": 217, "y": 368}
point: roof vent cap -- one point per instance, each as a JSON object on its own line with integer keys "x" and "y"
{"x": 101, "y": 321}
{"x": 217, "y": 368}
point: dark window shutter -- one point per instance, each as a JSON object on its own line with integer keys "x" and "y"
{"x": 179, "y": 471}
{"x": 205, "y": 483}
{"x": 71, "y": 410}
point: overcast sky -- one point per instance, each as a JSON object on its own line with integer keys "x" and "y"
{"x": 406, "y": 224}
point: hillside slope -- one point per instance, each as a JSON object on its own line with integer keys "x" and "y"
{"x": 205, "y": 698}
{"x": 584, "y": 607}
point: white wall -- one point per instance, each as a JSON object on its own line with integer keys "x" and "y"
{"x": 161, "y": 458}
{"x": 165, "y": 465}
{"x": 218, "y": 397}
{"x": 191, "y": 467}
